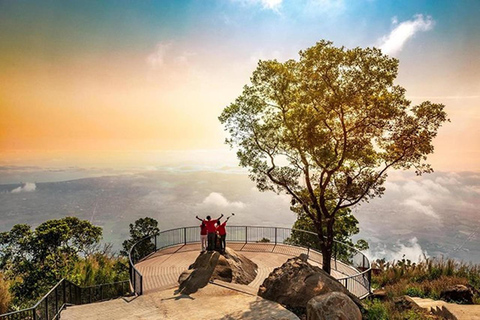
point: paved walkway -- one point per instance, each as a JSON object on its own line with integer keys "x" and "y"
{"x": 162, "y": 269}
{"x": 212, "y": 302}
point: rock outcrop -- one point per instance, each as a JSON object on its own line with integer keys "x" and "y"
{"x": 458, "y": 294}
{"x": 229, "y": 267}
{"x": 332, "y": 305}
{"x": 297, "y": 281}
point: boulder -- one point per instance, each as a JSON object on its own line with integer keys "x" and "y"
{"x": 297, "y": 281}
{"x": 234, "y": 267}
{"x": 194, "y": 279}
{"x": 334, "y": 306}
{"x": 458, "y": 294}
{"x": 404, "y": 303}
{"x": 229, "y": 267}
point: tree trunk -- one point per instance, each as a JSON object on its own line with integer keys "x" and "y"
{"x": 327, "y": 256}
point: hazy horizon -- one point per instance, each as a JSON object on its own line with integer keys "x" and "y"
{"x": 432, "y": 215}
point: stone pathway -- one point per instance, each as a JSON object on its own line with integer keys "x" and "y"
{"x": 449, "y": 310}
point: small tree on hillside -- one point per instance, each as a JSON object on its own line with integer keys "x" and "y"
{"x": 325, "y": 130}
{"x": 140, "y": 229}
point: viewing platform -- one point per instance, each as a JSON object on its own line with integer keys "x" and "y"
{"x": 158, "y": 261}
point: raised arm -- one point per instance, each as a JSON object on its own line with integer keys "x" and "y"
{"x": 198, "y": 218}
{"x": 220, "y": 217}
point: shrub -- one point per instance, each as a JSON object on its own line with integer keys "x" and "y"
{"x": 377, "y": 310}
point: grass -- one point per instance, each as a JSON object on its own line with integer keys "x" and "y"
{"x": 426, "y": 279}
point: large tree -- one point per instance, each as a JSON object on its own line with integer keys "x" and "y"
{"x": 326, "y": 128}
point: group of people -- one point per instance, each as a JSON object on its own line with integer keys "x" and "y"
{"x": 213, "y": 234}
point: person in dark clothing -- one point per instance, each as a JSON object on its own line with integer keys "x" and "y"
{"x": 222, "y": 233}
{"x": 211, "y": 230}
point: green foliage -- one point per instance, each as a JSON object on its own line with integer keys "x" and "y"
{"x": 345, "y": 226}
{"x": 35, "y": 260}
{"x": 415, "y": 292}
{"x": 99, "y": 268}
{"x": 326, "y": 128}
{"x": 140, "y": 229}
{"x": 376, "y": 310}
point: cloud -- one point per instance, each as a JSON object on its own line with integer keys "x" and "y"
{"x": 393, "y": 43}
{"x": 411, "y": 250}
{"x": 217, "y": 199}
{"x": 27, "y": 187}
{"x": 156, "y": 60}
{"x": 420, "y": 195}
{"x": 419, "y": 207}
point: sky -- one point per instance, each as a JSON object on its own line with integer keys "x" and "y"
{"x": 122, "y": 82}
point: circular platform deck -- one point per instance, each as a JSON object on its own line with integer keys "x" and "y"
{"x": 162, "y": 269}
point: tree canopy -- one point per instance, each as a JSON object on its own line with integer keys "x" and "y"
{"x": 40, "y": 258}
{"x": 326, "y": 128}
{"x": 140, "y": 229}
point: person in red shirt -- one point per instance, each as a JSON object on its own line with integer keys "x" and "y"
{"x": 222, "y": 232}
{"x": 203, "y": 236}
{"x": 211, "y": 231}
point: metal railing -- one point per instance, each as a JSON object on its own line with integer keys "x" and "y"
{"x": 66, "y": 293}
{"x": 344, "y": 257}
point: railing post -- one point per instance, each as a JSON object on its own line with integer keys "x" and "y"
{"x": 64, "y": 291}
{"x": 155, "y": 243}
{"x": 369, "y": 276}
{"x": 101, "y": 292}
{"x": 184, "y": 235}
{"x": 34, "y": 314}
{"x": 134, "y": 281}
{"x": 46, "y": 307}
{"x": 56, "y": 300}
{"x": 246, "y": 234}
{"x": 141, "y": 285}
{"x": 275, "y": 235}
{"x": 308, "y": 252}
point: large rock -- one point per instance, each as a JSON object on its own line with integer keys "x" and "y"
{"x": 297, "y": 281}
{"x": 234, "y": 267}
{"x": 194, "y": 279}
{"x": 332, "y": 306}
{"x": 229, "y": 267}
{"x": 458, "y": 294}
